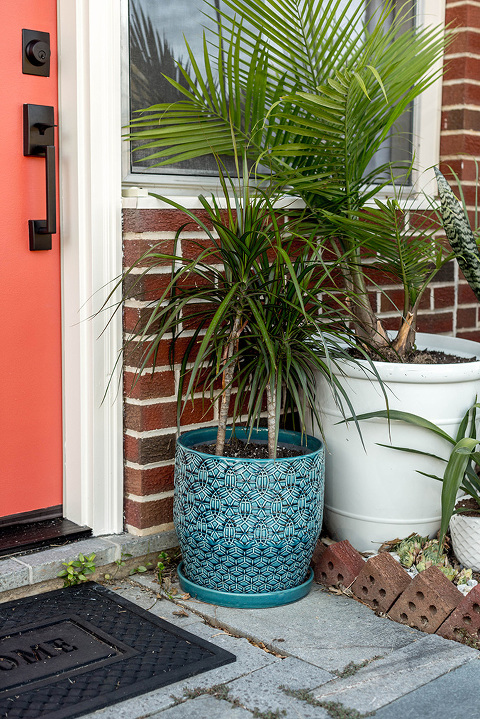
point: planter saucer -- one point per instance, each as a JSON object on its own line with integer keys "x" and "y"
{"x": 260, "y": 600}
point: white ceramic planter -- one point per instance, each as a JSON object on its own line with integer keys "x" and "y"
{"x": 374, "y": 494}
{"x": 465, "y": 533}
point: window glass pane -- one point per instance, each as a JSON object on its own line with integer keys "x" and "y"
{"x": 157, "y": 32}
{"x": 398, "y": 146}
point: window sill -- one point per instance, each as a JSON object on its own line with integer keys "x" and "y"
{"x": 141, "y": 200}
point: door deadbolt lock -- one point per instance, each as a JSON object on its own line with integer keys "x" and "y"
{"x": 36, "y": 53}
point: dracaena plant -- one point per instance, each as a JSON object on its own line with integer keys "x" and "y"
{"x": 311, "y": 90}
{"x": 257, "y": 311}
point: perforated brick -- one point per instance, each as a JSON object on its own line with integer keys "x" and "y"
{"x": 464, "y": 622}
{"x": 317, "y": 553}
{"x": 380, "y": 582}
{"x": 338, "y": 564}
{"x": 427, "y": 602}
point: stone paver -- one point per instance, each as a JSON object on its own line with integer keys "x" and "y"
{"x": 401, "y": 671}
{"x": 12, "y": 574}
{"x": 261, "y": 689}
{"x": 160, "y": 606}
{"x": 138, "y": 546}
{"x": 48, "y": 563}
{"x": 204, "y": 707}
{"x": 141, "y": 707}
{"x": 38, "y": 567}
{"x": 249, "y": 659}
{"x": 322, "y": 629}
{"x": 455, "y": 695}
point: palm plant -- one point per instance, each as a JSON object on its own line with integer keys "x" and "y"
{"x": 310, "y": 90}
{"x": 253, "y": 305}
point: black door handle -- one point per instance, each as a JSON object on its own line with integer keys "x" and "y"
{"x": 39, "y": 141}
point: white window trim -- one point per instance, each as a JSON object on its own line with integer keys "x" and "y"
{"x": 427, "y": 121}
{"x": 90, "y": 182}
{"x": 186, "y": 188}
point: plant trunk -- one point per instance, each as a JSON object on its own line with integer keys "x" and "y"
{"x": 271, "y": 422}
{"x": 406, "y": 335}
{"x": 367, "y": 325}
{"x": 227, "y": 380}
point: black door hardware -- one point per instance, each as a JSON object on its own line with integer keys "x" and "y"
{"x": 36, "y": 53}
{"x": 39, "y": 141}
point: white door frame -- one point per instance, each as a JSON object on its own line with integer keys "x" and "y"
{"x": 90, "y": 207}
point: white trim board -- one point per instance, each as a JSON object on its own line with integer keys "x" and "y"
{"x": 90, "y": 210}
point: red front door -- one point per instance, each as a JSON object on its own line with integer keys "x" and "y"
{"x": 30, "y": 354}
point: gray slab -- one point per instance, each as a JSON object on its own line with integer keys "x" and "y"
{"x": 48, "y": 563}
{"x": 385, "y": 680}
{"x": 249, "y": 659}
{"x": 152, "y": 602}
{"x": 12, "y": 574}
{"x": 324, "y": 629}
{"x": 261, "y": 690}
{"x": 138, "y": 546}
{"x": 455, "y": 695}
{"x": 205, "y": 707}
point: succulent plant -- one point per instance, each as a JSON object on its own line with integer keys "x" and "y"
{"x": 463, "y": 576}
{"x": 450, "y": 572}
{"x": 422, "y": 553}
{"x": 432, "y": 544}
{"x": 409, "y": 549}
{"x": 430, "y": 557}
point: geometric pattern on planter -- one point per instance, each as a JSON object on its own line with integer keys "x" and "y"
{"x": 465, "y": 532}
{"x": 247, "y": 526}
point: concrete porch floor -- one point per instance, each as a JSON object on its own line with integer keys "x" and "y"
{"x": 290, "y": 660}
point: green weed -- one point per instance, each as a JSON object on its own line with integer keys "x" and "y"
{"x": 336, "y": 710}
{"x": 77, "y": 570}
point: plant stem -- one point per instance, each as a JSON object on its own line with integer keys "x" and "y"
{"x": 406, "y": 335}
{"x": 227, "y": 380}
{"x": 368, "y": 326}
{"x": 271, "y": 421}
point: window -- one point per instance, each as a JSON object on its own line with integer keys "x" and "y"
{"x": 156, "y": 45}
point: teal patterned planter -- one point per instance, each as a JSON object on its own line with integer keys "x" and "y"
{"x": 242, "y": 600}
{"x": 246, "y": 525}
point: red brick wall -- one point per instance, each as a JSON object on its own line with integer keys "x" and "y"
{"x": 449, "y": 306}
{"x": 150, "y": 405}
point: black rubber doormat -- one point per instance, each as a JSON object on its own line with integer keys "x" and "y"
{"x": 75, "y": 650}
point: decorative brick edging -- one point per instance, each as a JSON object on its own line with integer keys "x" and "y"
{"x": 429, "y": 601}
